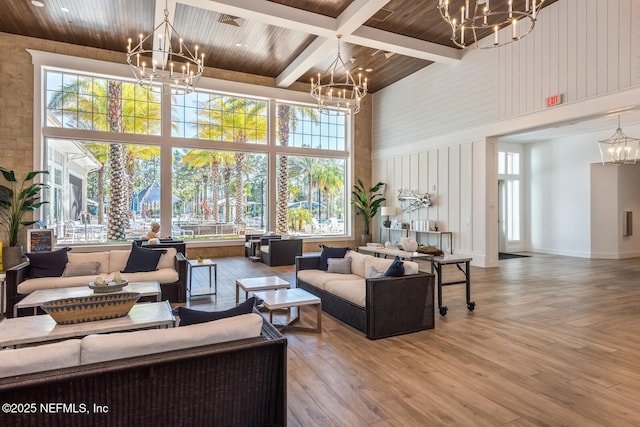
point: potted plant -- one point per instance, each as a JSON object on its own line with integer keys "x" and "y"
{"x": 16, "y": 199}
{"x": 367, "y": 202}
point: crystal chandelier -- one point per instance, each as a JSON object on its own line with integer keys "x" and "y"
{"x": 168, "y": 62}
{"x": 338, "y": 94}
{"x": 619, "y": 149}
{"x": 477, "y": 20}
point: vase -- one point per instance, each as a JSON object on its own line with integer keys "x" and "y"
{"x": 11, "y": 256}
{"x": 364, "y": 239}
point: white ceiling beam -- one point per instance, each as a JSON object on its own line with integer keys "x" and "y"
{"x": 158, "y": 57}
{"x": 351, "y": 19}
{"x": 318, "y": 50}
{"x": 270, "y": 13}
{"x": 403, "y": 45}
{"x": 349, "y": 24}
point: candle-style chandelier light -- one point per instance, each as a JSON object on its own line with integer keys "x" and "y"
{"x": 476, "y": 19}
{"x": 619, "y": 149}
{"x": 168, "y": 61}
{"x": 336, "y": 91}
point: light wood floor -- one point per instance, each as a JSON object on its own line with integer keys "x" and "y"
{"x": 554, "y": 341}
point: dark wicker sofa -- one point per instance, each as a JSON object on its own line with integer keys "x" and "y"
{"x": 237, "y": 383}
{"x": 173, "y": 292}
{"x": 394, "y": 305}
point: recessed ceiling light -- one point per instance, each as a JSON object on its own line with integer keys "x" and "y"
{"x": 64, "y": 9}
{"x": 368, "y": 70}
{"x": 37, "y": 3}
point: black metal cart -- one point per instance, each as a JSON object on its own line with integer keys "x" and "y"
{"x": 438, "y": 263}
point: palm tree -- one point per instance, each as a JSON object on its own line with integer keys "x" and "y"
{"x": 114, "y": 106}
{"x": 287, "y": 120}
{"x": 197, "y": 158}
{"x": 305, "y": 167}
{"x": 329, "y": 177}
{"x": 101, "y": 153}
{"x": 239, "y": 120}
{"x": 118, "y": 199}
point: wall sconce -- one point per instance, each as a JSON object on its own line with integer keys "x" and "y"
{"x": 387, "y": 211}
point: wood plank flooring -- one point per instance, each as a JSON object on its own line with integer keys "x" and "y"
{"x": 554, "y": 341}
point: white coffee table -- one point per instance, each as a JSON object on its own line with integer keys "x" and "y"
{"x": 254, "y": 284}
{"x": 37, "y": 298}
{"x": 41, "y": 328}
{"x": 288, "y": 298}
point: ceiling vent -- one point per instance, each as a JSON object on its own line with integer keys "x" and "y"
{"x": 229, "y": 20}
{"x": 382, "y": 14}
{"x": 386, "y": 54}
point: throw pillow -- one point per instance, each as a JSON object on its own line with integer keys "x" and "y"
{"x": 81, "y": 269}
{"x": 374, "y": 273}
{"x": 396, "y": 269}
{"x": 142, "y": 259}
{"x": 47, "y": 264}
{"x": 192, "y": 317}
{"x": 339, "y": 265}
{"x": 328, "y": 252}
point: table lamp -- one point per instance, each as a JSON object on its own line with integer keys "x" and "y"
{"x": 387, "y": 211}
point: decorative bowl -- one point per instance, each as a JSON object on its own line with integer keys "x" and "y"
{"x": 111, "y": 287}
{"x": 86, "y": 309}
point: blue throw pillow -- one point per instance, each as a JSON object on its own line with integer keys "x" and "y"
{"x": 192, "y": 317}
{"x": 396, "y": 269}
{"x": 142, "y": 259}
{"x": 47, "y": 264}
{"x": 328, "y": 252}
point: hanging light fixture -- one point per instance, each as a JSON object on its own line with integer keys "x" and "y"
{"x": 619, "y": 149}
{"x": 336, "y": 91}
{"x": 477, "y": 20}
{"x": 165, "y": 59}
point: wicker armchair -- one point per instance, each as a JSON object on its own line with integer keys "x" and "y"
{"x": 277, "y": 251}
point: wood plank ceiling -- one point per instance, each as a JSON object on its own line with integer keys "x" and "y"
{"x": 289, "y": 40}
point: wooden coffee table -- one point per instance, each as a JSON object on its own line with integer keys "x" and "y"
{"x": 41, "y": 328}
{"x": 253, "y": 284}
{"x": 37, "y": 298}
{"x": 288, "y": 298}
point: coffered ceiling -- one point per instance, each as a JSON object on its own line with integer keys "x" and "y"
{"x": 289, "y": 40}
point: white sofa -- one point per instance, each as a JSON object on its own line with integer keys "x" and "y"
{"x": 104, "y": 347}
{"x": 378, "y": 306}
{"x": 223, "y": 372}
{"x": 170, "y": 273}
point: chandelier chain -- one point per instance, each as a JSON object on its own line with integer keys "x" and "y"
{"x": 178, "y": 67}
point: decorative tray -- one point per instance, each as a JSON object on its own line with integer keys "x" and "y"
{"x": 109, "y": 287}
{"x": 86, "y": 309}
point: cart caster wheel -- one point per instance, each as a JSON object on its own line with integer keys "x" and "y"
{"x": 471, "y": 305}
{"x": 443, "y": 311}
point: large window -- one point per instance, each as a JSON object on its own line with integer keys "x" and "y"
{"x": 221, "y": 173}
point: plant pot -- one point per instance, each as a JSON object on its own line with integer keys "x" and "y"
{"x": 364, "y": 239}
{"x": 11, "y": 256}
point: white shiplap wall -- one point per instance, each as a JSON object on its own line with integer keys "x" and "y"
{"x": 445, "y": 116}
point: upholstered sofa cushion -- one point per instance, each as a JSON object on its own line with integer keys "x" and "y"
{"x": 319, "y": 278}
{"x": 102, "y": 347}
{"x": 382, "y": 264}
{"x": 193, "y": 317}
{"x": 81, "y": 269}
{"x": 352, "y": 290}
{"x": 41, "y": 358}
{"x": 329, "y": 252}
{"x": 114, "y": 260}
{"x": 101, "y": 257}
{"x": 357, "y": 262}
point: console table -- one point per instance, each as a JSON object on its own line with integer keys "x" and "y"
{"x": 406, "y": 231}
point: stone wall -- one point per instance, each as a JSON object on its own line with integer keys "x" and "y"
{"x": 16, "y": 104}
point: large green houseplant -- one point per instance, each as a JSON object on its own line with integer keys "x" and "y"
{"x": 367, "y": 201}
{"x": 16, "y": 199}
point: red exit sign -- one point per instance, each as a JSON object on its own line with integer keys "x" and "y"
{"x": 554, "y": 100}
